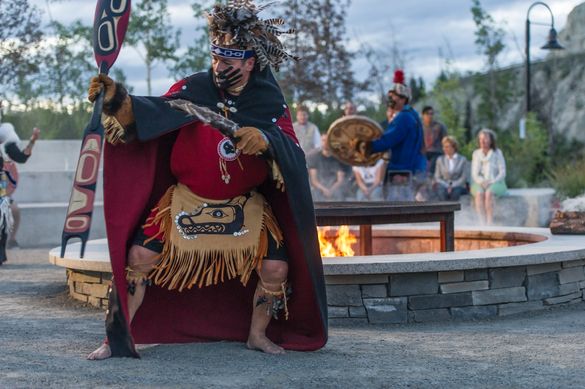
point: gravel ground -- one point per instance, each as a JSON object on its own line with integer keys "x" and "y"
{"x": 44, "y": 337}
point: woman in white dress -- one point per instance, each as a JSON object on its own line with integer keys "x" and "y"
{"x": 488, "y": 175}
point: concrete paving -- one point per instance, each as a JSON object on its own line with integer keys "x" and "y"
{"x": 44, "y": 337}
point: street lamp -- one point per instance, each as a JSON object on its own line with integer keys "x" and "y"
{"x": 551, "y": 44}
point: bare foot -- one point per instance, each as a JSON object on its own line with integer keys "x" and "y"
{"x": 102, "y": 352}
{"x": 262, "y": 343}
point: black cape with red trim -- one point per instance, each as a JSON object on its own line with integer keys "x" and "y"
{"x": 137, "y": 174}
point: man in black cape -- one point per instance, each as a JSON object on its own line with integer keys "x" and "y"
{"x": 212, "y": 237}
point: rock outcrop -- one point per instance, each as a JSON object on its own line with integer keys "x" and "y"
{"x": 557, "y": 86}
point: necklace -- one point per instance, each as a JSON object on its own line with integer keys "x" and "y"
{"x": 226, "y": 150}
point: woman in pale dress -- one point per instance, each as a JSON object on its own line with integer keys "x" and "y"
{"x": 488, "y": 175}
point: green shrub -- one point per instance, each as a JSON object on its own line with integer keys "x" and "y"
{"x": 54, "y": 124}
{"x": 569, "y": 179}
{"x": 526, "y": 159}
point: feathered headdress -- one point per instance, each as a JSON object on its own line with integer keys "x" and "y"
{"x": 400, "y": 87}
{"x": 236, "y": 31}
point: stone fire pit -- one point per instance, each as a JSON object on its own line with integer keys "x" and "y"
{"x": 493, "y": 272}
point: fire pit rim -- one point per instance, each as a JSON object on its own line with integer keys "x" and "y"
{"x": 556, "y": 248}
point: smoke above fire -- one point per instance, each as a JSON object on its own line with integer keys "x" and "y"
{"x": 576, "y": 204}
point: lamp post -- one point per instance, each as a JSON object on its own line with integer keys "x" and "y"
{"x": 551, "y": 44}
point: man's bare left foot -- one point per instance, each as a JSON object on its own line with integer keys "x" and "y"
{"x": 262, "y": 343}
{"x": 102, "y": 352}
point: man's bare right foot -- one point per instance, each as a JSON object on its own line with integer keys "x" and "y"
{"x": 102, "y": 352}
{"x": 262, "y": 343}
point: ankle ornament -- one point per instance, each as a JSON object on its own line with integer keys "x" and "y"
{"x": 275, "y": 301}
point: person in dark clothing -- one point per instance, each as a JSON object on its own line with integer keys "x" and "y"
{"x": 434, "y": 132}
{"x": 9, "y": 153}
{"x": 219, "y": 224}
{"x": 327, "y": 175}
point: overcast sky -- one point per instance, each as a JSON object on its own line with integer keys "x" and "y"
{"x": 424, "y": 31}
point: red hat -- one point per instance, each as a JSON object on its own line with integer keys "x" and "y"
{"x": 400, "y": 87}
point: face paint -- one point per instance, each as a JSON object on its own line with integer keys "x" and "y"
{"x": 228, "y": 77}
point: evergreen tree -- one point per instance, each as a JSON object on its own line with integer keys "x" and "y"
{"x": 417, "y": 86}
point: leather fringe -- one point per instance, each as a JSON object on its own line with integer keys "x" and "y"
{"x": 114, "y": 132}
{"x": 277, "y": 176}
{"x": 180, "y": 269}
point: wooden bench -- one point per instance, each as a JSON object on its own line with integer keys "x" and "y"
{"x": 367, "y": 213}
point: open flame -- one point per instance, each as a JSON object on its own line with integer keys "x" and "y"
{"x": 341, "y": 246}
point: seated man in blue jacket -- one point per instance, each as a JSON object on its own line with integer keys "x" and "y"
{"x": 404, "y": 138}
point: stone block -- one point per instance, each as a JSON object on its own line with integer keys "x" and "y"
{"x": 348, "y": 321}
{"x": 413, "y": 284}
{"x": 513, "y": 308}
{"x": 562, "y": 299}
{"x": 427, "y": 315}
{"x": 357, "y": 312}
{"x": 374, "y": 291}
{"x": 571, "y": 274}
{"x": 78, "y": 287}
{"x": 542, "y": 268}
{"x": 360, "y": 279}
{"x": 440, "y": 301}
{"x": 507, "y": 277}
{"x": 542, "y": 286}
{"x": 580, "y": 262}
{"x": 476, "y": 275}
{"x": 337, "y": 312}
{"x": 451, "y": 276}
{"x": 569, "y": 288}
{"x": 459, "y": 287}
{"x": 386, "y": 310}
{"x": 96, "y": 290}
{"x": 474, "y": 313}
{"x": 499, "y": 296}
{"x": 78, "y": 296}
{"x": 344, "y": 295}
{"x": 90, "y": 277}
{"x": 94, "y": 301}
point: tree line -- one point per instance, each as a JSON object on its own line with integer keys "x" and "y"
{"x": 45, "y": 69}
{"x": 51, "y": 64}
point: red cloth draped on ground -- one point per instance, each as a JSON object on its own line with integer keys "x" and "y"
{"x": 135, "y": 177}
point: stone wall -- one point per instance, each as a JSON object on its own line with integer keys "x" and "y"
{"x": 465, "y": 294}
{"x": 90, "y": 287}
{"x": 417, "y": 297}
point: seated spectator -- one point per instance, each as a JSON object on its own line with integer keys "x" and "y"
{"x": 349, "y": 108}
{"x": 307, "y": 133}
{"x": 369, "y": 180}
{"x": 488, "y": 175}
{"x": 451, "y": 171}
{"x": 326, "y": 174}
{"x": 434, "y": 132}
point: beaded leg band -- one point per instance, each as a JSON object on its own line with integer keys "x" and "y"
{"x": 134, "y": 277}
{"x": 275, "y": 301}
